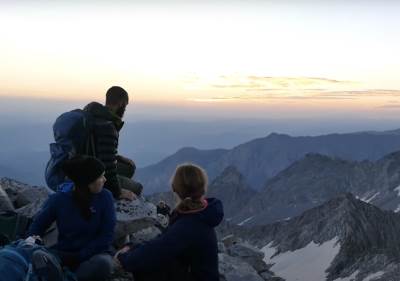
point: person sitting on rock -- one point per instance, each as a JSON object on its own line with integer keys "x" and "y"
{"x": 187, "y": 250}
{"x": 85, "y": 216}
{"x": 107, "y": 123}
{"x": 163, "y": 208}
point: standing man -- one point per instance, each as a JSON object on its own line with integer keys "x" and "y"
{"x": 107, "y": 122}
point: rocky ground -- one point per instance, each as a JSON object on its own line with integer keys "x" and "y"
{"x": 138, "y": 221}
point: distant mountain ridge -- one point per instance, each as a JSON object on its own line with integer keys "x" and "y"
{"x": 261, "y": 159}
{"x": 316, "y": 178}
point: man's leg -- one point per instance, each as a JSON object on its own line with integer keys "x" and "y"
{"x": 129, "y": 184}
{"x": 97, "y": 268}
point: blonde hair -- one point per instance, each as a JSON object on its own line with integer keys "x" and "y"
{"x": 190, "y": 184}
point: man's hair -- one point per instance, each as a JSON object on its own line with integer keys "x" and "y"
{"x": 115, "y": 95}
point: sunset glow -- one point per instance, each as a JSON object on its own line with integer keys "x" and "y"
{"x": 303, "y": 56}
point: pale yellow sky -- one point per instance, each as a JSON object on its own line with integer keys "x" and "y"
{"x": 294, "y": 56}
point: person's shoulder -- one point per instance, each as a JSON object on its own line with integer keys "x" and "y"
{"x": 58, "y": 197}
{"x": 106, "y": 194}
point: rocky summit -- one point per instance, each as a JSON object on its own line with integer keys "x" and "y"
{"x": 137, "y": 221}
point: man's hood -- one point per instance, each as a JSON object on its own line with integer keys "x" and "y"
{"x": 98, "y": 110}
{"x": 213, "y": 214}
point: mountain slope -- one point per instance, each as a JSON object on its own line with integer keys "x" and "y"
{"x": 341, "y": 238}
{"x": 316, "y": 178}
{"x": 261, "y": 159}
{"x": 232, "y": 190}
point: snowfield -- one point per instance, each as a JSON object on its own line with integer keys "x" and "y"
{"x": 306, "y": 264}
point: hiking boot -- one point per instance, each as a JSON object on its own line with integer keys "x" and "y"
{"x": 46, "y": 266}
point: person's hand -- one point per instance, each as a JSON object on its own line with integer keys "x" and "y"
{"x": 127, "y": 194}
{"x": 121, "y": 251}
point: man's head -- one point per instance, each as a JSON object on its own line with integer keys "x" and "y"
{"x": 117, "y": 99}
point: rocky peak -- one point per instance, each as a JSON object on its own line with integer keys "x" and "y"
{"x": 231, "y": 176}
{"x": 231, "y": 188}
{"x": 362, "y": 231}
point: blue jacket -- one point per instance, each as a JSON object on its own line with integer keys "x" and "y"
{"x": 75, "y": 234}
{"x": 190, "y": 238}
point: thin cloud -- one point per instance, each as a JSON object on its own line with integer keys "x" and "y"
{"x": 311, "y": 95}
{"x": 268, "y": 82}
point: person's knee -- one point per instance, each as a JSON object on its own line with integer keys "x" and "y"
{"x": 104, "y": 264}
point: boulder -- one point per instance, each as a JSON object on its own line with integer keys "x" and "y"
{"x": 28, "y": 196}
{"x": 133, "y": 216}
{"x": 5, "y": 202}
{"x": 249, "y": 254}
{"x": 144, "y": 235}
{"x": 235, "y": 269}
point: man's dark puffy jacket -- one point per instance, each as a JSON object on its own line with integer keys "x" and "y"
{"x": 190, "y": 239}
{"x": 106, "y": 127}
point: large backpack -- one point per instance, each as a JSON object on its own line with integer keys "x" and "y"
{"x": 27, "y": 261}
{"x": 73, "y": 135}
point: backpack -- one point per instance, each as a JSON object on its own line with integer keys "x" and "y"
{"x": 27, "y": 261}
{"x": 73, "y": 135}
{"x": 12, "y": 226}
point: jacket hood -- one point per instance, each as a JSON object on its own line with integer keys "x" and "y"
{"x": 66, "y": 186}
{"x": 213, "y": 214}
{"x": 98, "y": 110}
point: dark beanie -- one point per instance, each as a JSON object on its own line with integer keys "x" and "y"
{"x": 83, "y": 170}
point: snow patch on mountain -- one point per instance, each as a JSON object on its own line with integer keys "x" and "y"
{"x": 374, "y": 276}
{"x": 367, "y": 200}
{"x": 398, "y": 190}
{"x": 246, "y": 220}
{"x": 305, "y": 264}
{"x": 352, "y": 277}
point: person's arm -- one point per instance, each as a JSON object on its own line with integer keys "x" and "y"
{"x": 158, "y": 251}
{"x": 46, "y": 216}
{"x": 104, "y": 237}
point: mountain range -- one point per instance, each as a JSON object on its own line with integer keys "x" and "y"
{"x": 261, "y": 159}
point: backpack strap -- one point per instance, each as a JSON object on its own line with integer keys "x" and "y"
{"x": 89, "y": 148}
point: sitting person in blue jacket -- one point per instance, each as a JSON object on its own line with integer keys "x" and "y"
{"x": 85, "y": 216}
{"x": 187, "y": 250}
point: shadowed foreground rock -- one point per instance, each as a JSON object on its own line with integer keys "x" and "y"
{"x": 138, "y": 221}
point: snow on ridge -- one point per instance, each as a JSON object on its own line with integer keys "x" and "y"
{"x": 367, "y": 200}
{"x": 398, "y": 190}
{"x": 305, "y": 264}
{"x": 374, "y": 276}
{"x": 246, "y": 220}
{"x": 349, "y": 278}
{"x": 397, "y": 209}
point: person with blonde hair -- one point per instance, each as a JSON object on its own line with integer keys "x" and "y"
{"x": 187, "y": 250}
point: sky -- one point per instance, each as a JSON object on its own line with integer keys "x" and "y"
{"x": 255, "y": 59}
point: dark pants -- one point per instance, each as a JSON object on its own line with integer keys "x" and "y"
{"x": 173, "y": 271}
{"x": 97, "y": 268}
{"x": 125, "y": 173}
